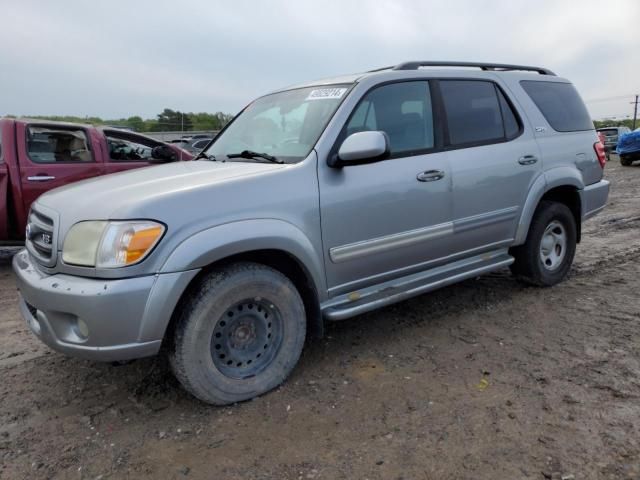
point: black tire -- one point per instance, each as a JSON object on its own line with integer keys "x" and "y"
{"x": 529, "y": 265}
{"x": 234, "y": 316}
{"x": 624, "y": 161}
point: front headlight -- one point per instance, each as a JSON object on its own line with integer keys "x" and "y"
{"x": 110, "y": 244}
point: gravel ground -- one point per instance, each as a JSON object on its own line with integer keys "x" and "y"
{"x": 487, "y": 379}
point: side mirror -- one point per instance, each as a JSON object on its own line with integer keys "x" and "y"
{"x": 362, "y": 147}
{"x": 163, "y": 154}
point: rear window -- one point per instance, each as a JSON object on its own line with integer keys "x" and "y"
{"x": 560, "y": 104}
{"x": 609, "y": 131}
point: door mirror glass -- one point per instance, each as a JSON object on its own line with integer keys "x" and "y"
{"x": 363, "y": 146}
{"x": 162, "y": 154}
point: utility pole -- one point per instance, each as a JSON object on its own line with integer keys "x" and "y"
{"x": 635, "y": 113}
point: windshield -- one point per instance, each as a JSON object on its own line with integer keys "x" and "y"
{"x": 609, "y": 131}
{"x": 285, "y": 125}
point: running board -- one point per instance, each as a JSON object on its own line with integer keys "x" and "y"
{"x": 372, "y": 298}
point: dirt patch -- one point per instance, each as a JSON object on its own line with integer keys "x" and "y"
{"x": 486, "y": 379}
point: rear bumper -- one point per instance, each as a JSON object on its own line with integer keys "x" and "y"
{"x": 594, "y": 198}
{"x": 104, "y": 320}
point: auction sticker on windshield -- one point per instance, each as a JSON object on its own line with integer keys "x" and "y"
{"x": 326, "y": 93}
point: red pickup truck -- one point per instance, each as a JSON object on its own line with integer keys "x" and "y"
{"x": 37, "y": 155}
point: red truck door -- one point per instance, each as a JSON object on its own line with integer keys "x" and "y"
{"x": 52, "y": 155}
{"x": 4, "y": 196}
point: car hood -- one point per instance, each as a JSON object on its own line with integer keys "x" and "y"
{"x": 145, "y": 192}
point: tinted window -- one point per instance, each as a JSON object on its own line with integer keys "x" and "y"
{"x": 402, "y": 110}
{"x": 511, "y": 124}
{"x": 609, "y": 131}
{"x": 1, "y": 159}
{"x": 560, "y": 104}
{"x": 473, "y": 111}
{"x": 201, "y": 143}
{"x": 51, "y": 145}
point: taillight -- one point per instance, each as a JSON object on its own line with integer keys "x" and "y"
{"x": 599, "y": 148}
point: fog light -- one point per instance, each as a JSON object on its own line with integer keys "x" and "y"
{"x": 82, "y": 329}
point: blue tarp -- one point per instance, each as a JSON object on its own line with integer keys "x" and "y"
{"x": 628, "y": 143}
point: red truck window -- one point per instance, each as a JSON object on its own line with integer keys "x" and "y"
{"x": 126, "y": 147}
{"x": 58, "y": 145}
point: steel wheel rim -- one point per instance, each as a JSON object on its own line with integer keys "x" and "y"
{"x": 553, "y": 245}
{"x": 246, "y": 338}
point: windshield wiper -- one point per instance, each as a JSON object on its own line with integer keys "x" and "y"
{"x": 205, "y": 155}
{"x": 252, "y": 154}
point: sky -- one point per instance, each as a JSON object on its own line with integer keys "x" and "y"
{"x": 120, "y": 58}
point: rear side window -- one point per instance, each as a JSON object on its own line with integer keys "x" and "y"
{"x": 477, "y": 112}
{"x": 402, "y": 110}
{"x": 560, "y": 104}
{"x": 58, "y": 145}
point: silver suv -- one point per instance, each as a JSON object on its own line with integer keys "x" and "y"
{"x": 316, "y": 203}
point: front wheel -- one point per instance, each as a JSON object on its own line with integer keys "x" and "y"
{"x": 239, "y": 335}
{"x": 547, "y": 255}
{"x": 624, "y": 161}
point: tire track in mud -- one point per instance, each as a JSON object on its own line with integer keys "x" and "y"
{"x": 606, "y": 262}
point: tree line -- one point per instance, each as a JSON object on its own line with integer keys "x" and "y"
{"x": 628, "y": 122}
{"x": 168, "y": 120}
{"x": 175, "y": 120}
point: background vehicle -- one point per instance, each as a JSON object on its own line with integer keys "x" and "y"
{"x": 36, "y": 156}
{"x": 319, "y": 202}
{"x": 196, "y": 146}
{"x": 611, "y": 135}
{"x": 629, "y": 148}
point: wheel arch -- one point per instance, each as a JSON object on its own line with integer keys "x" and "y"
{"x": 274, "y": 243}
{"x": 564, "y": 187}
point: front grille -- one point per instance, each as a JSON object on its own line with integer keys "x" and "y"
{"x": 40, "y": 238}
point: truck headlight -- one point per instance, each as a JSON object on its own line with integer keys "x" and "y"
{"x": 104, "y": 244}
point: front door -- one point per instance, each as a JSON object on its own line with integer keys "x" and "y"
{"x": 389, "y": 218}
{"x": 52, "y": 156}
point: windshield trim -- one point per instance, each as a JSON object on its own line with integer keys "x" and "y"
{"x": 348, "y": 86}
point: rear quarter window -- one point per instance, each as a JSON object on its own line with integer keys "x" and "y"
{"x": 560, "y": 104}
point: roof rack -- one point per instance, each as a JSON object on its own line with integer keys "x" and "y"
{"x": 482, "y": 66}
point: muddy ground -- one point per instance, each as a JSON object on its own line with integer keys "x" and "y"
{"x": 488, "y": 379}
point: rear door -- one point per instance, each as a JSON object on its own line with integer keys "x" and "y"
{"x": 494, "y": 161}
{"x": 51, "y": 156}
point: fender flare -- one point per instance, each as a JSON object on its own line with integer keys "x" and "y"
{"x": 222, "y": 241}
{"x": 556, "y": 177}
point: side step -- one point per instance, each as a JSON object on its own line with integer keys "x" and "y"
{"x": 372, "y": 298}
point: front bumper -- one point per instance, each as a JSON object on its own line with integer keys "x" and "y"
{"x": 104, "y": 320}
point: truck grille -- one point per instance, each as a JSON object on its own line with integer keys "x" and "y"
{"x": 40, "y": 239}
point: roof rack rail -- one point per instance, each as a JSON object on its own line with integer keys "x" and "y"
{"x": 482, "y": 66}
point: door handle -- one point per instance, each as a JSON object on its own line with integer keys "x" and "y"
{"x": 528, "y": 160}
{"x": 430, "y": 176}
{"x": 41, "y": 178}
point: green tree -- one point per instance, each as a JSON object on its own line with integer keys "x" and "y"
{"x": 170, "y": 120}
{"x": 136, "y": 123}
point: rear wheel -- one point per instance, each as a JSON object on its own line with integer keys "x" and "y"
{"x": 547, "y": 255}
{"x": 239, "y": 335}
{"x": 625, "y": 161}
